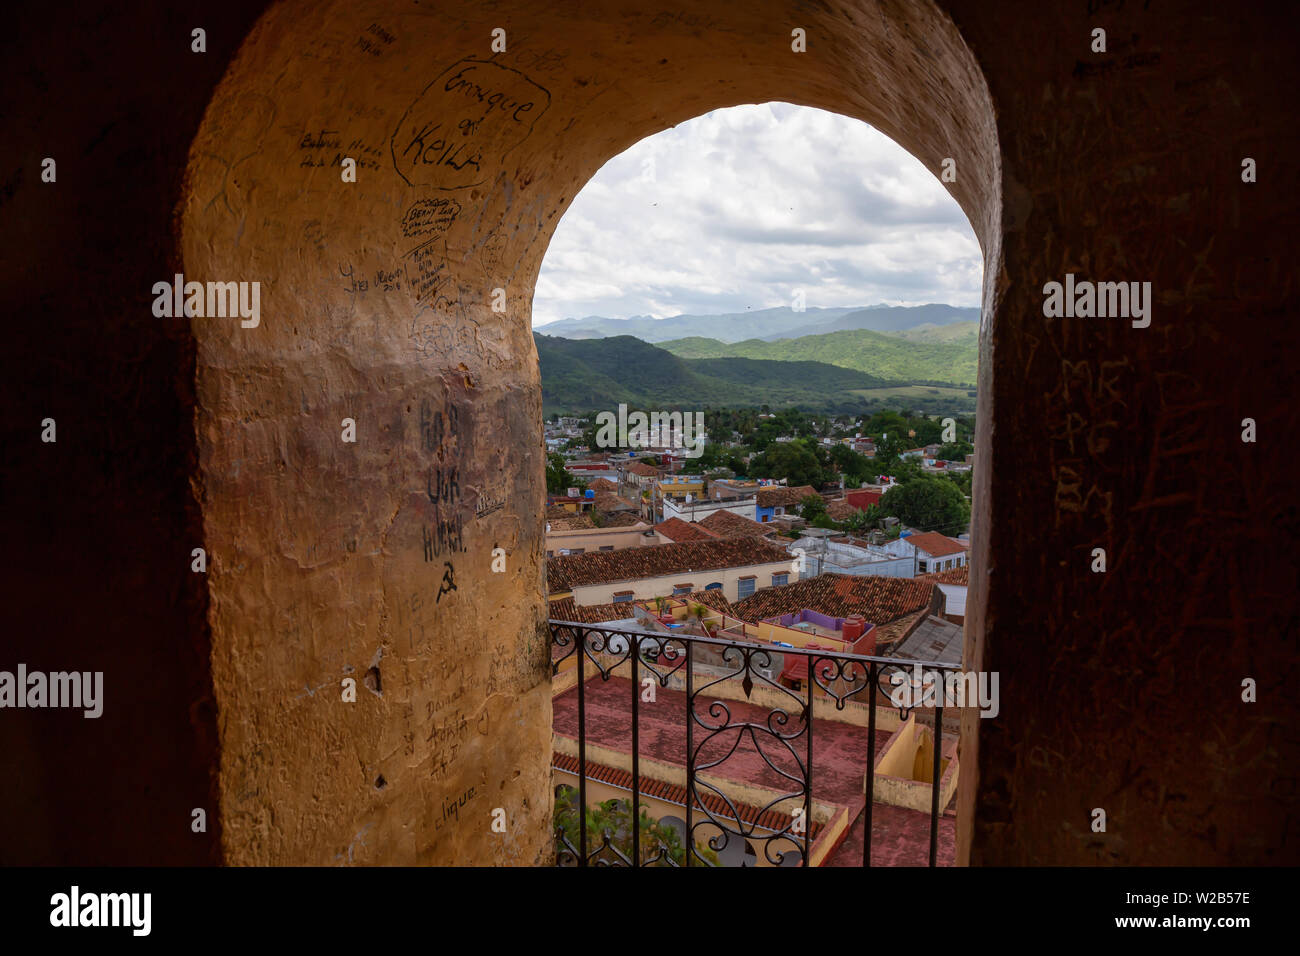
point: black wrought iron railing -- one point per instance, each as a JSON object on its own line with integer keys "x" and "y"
{"x": 712, "y": 817}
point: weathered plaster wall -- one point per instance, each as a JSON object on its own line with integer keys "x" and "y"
{"x": 377, "y": 306}
{"x": 1118, "y": 690}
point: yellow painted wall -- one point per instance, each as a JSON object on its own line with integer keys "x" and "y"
{"x": 593, "y": 539}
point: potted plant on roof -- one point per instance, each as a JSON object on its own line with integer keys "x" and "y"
{"x": 700, "y": 611}
{"x": 661, "y": 610}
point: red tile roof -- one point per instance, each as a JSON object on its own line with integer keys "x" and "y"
{"x": 728, "y": 524}
{"x": 565, "y": 609}
{"x": 772, "y": 496}
{"x": 714, "y": 599}
{"x": 937, "y": 545}
{"x": 896, "y": 630}
{"x": 841, "y": 510}
{"x": 679, "y": 530}
{"x": 624, "y": 519}
{"x": 879, "y": 599}
{"x": 561, "y": 520}
{"x": 772, "y": 820}
{"x": 608, "y": 501}
{"x": 603, "y": 484}
{"x": 642, "y": 469}
{"x": 957, "y": 575}
{"x": 565, "y": 572}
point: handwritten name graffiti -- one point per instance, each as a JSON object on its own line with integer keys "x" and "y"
{"x": 525, "y": 55}
{"x": 314, "y": 233}
{"x": 451, "y": 808}
{"x": 474, "y": 113}
{"x": 383, "y": 280}
{"x": 439, "y": 434}
{"x": 443, "y": 485}
{"x": 428, "y": 217}
{"x": 375, "y": 40}
{"x": 449, "y": 735}
{"x": 438, "y": 429}
{"x": 325, "y": 139}
{"x": 426, "y": 264}
{"x": 445, "y": 536}
{"x": 324, "y": 148}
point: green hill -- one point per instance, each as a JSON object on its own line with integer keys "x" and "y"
{"x": 957, "y": 333}
{"x": 934, "y": 355}
{"x": 581, "y": 375}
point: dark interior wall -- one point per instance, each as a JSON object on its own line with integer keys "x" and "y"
{"x": 1122, "y": 691}
{"x": 99, "y": 526}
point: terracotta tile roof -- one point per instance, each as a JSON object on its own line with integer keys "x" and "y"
{"x": 957, "y": 575}
{"x": 679, "y": 530}
{"x": 602, "y": 484}
{"x": 565, "y": 572}
{"x": 728, "y": 524}
{"x": 772, "y": 820}
{"x": 771, "y": 497}
{"x": 841, "y": 510}
{"x": 714, "y": 599}
{"x": 937, "y": 545}
{"x": 608, "y": 501}
{"x": 879, "y": 599}
{"x": 565, "y": 609}
{"x": 889, "y": 634}
{"x": 642, "y": 469}
{"x": 561, "y": 520}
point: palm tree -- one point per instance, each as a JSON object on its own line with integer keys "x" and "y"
{"x": 612, "y": 819}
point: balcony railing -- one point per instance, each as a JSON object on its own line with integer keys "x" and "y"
{"x": 707, "y": 662}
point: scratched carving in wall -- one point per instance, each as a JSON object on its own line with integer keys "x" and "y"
{"x": 472, "y": 115}
{"x": 444, "y": 534}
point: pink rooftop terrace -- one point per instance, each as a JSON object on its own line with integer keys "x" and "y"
{"x": 900, "y": 837}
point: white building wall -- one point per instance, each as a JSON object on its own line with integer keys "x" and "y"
{"x": 700, "y": 509}
{"x": 837, "y": 558}
{"x": 955, "y": 595}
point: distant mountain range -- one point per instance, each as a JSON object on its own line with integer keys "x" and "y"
{"x": 583, "y": 375}
{"x": 830, "y": 372}
{"x": 765, "y": 324}
{"x": 933, "y": 355}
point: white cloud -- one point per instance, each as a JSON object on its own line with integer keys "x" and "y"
{"x": 748, "y": 204}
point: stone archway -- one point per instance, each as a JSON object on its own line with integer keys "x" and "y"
{"x": 371, "y": 559}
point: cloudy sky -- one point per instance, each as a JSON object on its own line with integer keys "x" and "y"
{"x": 741, "y": 207}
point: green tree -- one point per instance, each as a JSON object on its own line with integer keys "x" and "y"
{"x": 557, "y": 479}
{"x": 793, "y": 461}
{"x": 931, "y": 504}
{"x": 812, "y": 507}
{"x": 862, "y": 521}
{"x": 955, "y": 451}
{"x": 962, "y": 479}
{"x": 855, "y": 467}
